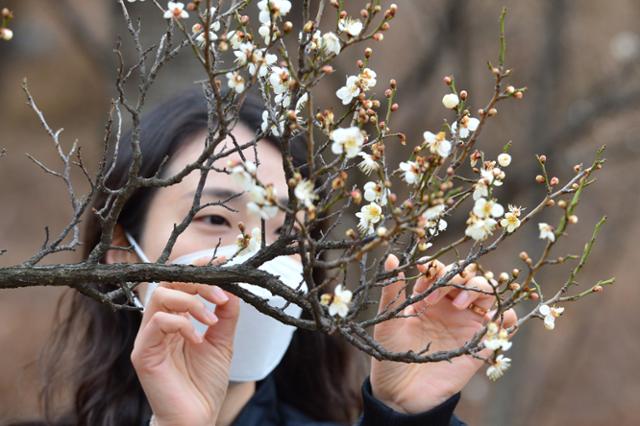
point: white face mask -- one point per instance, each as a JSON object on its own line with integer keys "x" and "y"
{"x": 260, "y": 341}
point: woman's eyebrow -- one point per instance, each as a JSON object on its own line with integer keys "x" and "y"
{"x": 221, "y": 193}
{"x": 226, "y": 194}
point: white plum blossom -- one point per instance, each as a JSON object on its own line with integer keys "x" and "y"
{"x": 546, "y": 232}
{"x": 369, "y": 215}
{"x": 340, "y": 301}
{"x": 496, "y": 338}
{"x": 236, "y": 81}
{"x": 481, "y": 189}
{"x": 272, "y": 7}
{"x": 492, "y": 175}
{"x": 550, "y": 315}
{"x": 511, "y": 219}
{"x": 243, "y": 175}
{"x": 351, "y": 26}
{"x": 467, "y": 125}
{"x": 435, "y": 224}
{"x": 330, "y": 43}
{"x": 437, "y": 143}
{"x": 304, "y": 191}
{"x": 275, "y": 130}
{"x": 245, "y": 53}
{"x": 349, "y": 91}
{"x": 450, "y": 100}
{"x": 249, "y": 243}
{"x": 347, "y": 141}
{"x": 480, "y": 229}
{"x": 367, "y": 78}
{"x": 375, "y": 191}
{"x": 235, "y": 39}
{"x": 504, "y": 159}
{"x": 279, "y": 80}
{"x": 263, "y": 201}
{"x": 485, "y": 208}
{"x": 175, "y": 10}
{"x": 501, "y": 364}
{"x": 261, "y": 62}
{"x": 265, "y": 32}
{"x": 411, "y": 171}
{"x": 368, "y": 163}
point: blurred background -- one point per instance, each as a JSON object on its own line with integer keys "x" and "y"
{"x": 580, "y": 61}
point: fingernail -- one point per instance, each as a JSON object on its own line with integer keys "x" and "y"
{"x": 433, "y": 296}
{"x": 211, "y": 317}
{"x": 220, "y": 294}
{"x": 461, "y": 299}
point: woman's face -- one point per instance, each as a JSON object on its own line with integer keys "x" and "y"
{"x": 213, "y": 223}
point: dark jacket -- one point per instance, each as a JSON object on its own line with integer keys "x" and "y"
{"x": 265, "y": 409}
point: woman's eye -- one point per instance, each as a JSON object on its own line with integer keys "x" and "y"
{"x": 215, "y": 219}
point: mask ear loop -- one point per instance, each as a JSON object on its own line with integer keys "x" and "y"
{"x": 144, "y": 258}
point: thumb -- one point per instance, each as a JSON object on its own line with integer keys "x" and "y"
{"x": 392, "y": 294}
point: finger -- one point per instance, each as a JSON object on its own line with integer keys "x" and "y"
{"x": 222, "y": 333}
{"x": 436, "y": 271}
{"x": 165, "y": 299}
{"x": 212, "y": 293}
{"x": 392, "y": 294}
{"x": 161, "y": 325}
{"x": 465, "y": 297}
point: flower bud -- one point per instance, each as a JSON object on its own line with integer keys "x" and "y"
{"x": 504, "y": 159}
{"x": 464, "y": 95}
{"x": 364, "y": 13}
{"x": 327, "y": 69}
{"x": 510, "y": 90}
{"x": 523, "y": 255}
{"x": 367, "y": 52}
{"x": 378, "y": 36}
{"x": 534, "y": 296}
{"x": 6, "y": 34}
{"x": 540, "y": 179}
{"x": 395, "y": 107}
{"x": 350, "y": 233}
{"x": 518, "y": 95}
{"x": 573, "y": 219}
{"x": 550, "y": 202}
{"x": 450, "y": 100}
{"x": 503, "y": 277}
{"x": 562, "y": 204}
{"x": 514, "y": 286}
{"x": 515, "y": 272}
{"x": 423, "y": 246}
{"x": 597, "y": 288}
{"x": 356, "y": 195}
{"x": 492, "y": 112}
{"x": 447, "y": 80}
{"x": 542, "y": 158}
{"x": 287, "y": 27}
{"x": 244, "y": 19}
{"x": 554, "y": 181}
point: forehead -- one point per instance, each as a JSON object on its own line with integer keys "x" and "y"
{"x": 270, "y": 169}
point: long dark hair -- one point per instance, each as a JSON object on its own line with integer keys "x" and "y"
{"x": 318, "y": 375}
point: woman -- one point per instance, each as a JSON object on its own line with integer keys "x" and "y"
{"x": 133, "y": 369}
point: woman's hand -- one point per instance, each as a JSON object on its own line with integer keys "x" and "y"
{"x": 448, "y": 324}
{"x": 184, "y": 375}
